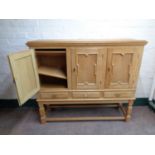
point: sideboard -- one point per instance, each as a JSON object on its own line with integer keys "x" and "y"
{"x": 78, "y": 73}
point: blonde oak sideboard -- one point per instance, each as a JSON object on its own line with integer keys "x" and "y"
{"x": 78, "y": 73}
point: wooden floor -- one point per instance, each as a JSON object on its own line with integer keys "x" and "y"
{"x": 26, "y": 121}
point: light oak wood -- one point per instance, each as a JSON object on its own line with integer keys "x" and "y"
{"x": 97, "y": 118}
{"x": 82, "y": 101}
{"x": 84, "y": 73}
{"x": 50, "y": 52}
{"x": 50, "y": 71}
{"x": 24, "y": 70}
{"x": 86, "y": 118}
{"x": 86, "y": 95}
{"x": 121, "y": 65}
{"x": 129, "y": 110}
{"x": 37, "y": 44}
{"x": 86, "y": 106}
{"x": 119, "y": 94}
{"x": 54, "y": 95}
{"x": 42, "y": 113}
{"x": 69, "y": 70}
{"x": 87, "y": 67}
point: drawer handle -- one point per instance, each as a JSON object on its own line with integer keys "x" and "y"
{"x": 53, "y": 96}
{"x": 117, "y": 95}
{"x": 108, "y": 69}
{"x": 74, "y": 69}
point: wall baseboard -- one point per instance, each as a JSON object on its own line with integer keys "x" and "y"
{"x": 13, "y": 103}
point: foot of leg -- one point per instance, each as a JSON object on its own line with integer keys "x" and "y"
{"x": 42, "y": 113}
{"x": 129, "y": 110}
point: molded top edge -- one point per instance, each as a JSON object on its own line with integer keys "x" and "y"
{"x": 82, "y": 42}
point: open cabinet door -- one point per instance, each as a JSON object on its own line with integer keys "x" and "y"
{"x": 24, "y": 71}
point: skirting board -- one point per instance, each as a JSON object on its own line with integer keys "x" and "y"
{"x": 13, "y": 103}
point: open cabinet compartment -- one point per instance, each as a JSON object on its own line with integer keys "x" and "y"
{"x": 52, "y": 67}
{"x": 48, "y": 82}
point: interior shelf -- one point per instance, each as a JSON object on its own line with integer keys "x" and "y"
{"x": 53, "y": 72}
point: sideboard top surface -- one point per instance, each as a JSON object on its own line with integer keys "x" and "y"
{"x": 69, "y": 43}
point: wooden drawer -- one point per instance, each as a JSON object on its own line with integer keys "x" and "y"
{"x": 86, "y": 94}
{"x": 118, "y": 94}
{"x": 59, "y": 95}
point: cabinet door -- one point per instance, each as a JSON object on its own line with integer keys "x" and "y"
{"x": 24, "y": 71}
{"x": 86, "y": 67}
{"x": 122, "y": 65}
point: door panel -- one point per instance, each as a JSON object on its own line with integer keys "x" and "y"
{"x": 86, "y": 68}
{"x": 24, "y": 71}
{"x": 120, "y": 67}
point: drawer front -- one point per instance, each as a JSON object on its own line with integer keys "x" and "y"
{"x": 118, "y": 94}
{"x": 60, "y": 95}
{"x": 86, "y": 94}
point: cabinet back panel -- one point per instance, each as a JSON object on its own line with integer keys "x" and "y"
{"x": 57, "y": 60}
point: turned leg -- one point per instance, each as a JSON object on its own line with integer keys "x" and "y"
{"x": 129, "y": 110}
{"x": 42, "y": 112}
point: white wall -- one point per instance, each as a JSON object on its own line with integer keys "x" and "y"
{"x": 15, "y": 33}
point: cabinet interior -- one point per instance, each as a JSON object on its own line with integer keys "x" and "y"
{"x": 52, "y": 67}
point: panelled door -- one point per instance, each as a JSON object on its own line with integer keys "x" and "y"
{"x": 122, "y": 65}
{"x": 24, "y": 71}
{"x": 87, "y": 67}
